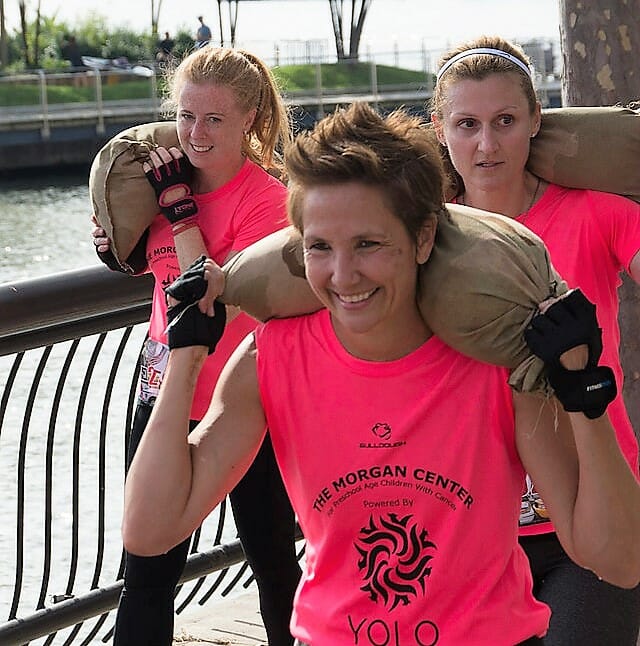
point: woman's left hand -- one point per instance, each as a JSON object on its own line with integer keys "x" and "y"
{"x": 203, "y": 281}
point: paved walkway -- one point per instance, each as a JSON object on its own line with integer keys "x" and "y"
{"x": 223, "y": 621}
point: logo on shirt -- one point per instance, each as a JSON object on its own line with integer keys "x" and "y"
{"x": 395, "y": 556}
{"x": 382, "y": 432}
{"x": 170, "y": 278}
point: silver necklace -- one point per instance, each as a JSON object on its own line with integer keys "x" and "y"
{"x": 533, "y": 197}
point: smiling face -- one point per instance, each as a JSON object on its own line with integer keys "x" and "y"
{"x": 362, "y": 264}
{"x": 211, "y": 129}
{"x": 487, "y": 126}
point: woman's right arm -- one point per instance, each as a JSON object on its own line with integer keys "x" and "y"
{"x": 176, "y": 478}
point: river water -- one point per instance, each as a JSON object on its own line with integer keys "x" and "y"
{"x": 45, "y": 225}
{"x": 45, "y": 228}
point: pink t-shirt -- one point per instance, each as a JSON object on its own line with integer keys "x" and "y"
{"x": 394, "y": 469}
{"x": 244, "y": 210}
{"x": 591, "y": 237}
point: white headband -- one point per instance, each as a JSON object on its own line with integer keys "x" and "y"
{"x": 482, "y": 50}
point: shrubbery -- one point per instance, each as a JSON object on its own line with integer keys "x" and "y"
{"x": 93, "y": 37}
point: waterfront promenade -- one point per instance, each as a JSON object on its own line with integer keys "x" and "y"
{"x": 234, "y": 621}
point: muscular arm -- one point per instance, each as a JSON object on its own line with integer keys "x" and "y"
{"x": 175, "y": 480}
{"x": 588, "y": 488}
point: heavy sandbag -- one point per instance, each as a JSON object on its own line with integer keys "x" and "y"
{"x": 595, "y": 148}
{"x": 478, "y": 290}
{"x": 592, "y": 147}
{"x": 123, "y": 201}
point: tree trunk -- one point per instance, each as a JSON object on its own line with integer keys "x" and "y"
{"x": 220, "y": 23}
{"x": 336, "y": 20}
{"x": 356, "y": 26}
{"x": 23, "y": 26}
{"x": 36, "y": 44}
{"x": 4, "y": 50}
{"x": 233, "y": 20}
{"x": 600, "y": 44}
{"x": 155, "y": 17}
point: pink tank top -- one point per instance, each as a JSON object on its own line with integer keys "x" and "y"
{"x": 247, "y": 208}
{"x": 393, "y": 469}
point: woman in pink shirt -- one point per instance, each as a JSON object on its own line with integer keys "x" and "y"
{"x": 216, "y": 198}
{"x": 486, "y": 112}
{"x": 404, "y": 460}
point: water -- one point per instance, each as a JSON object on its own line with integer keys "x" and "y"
{"x": 45, "y": 225}
{"x": 45, "y": 228}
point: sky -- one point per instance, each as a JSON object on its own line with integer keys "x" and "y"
{"x": 405, "y": 24}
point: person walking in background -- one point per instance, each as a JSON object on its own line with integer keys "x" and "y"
{"x": 165, "y": 47}
{"x": 485, "y": 112}
{"x": 203, "y": 34}
{"x": 414, "y": 541}
{"x": 215, "y": 199}
{"x": 71, "y": 52}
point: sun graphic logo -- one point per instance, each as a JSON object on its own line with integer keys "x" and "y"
{"x": 395, "y": 559}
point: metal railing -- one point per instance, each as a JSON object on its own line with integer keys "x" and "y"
{"x": 69, "y": 345}
{"x": 40, "y": 97}
{"x": 99, "y": 111}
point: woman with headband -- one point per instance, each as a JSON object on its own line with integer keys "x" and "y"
{"x": 485, "y": 112}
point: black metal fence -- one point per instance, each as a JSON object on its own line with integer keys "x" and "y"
{"x": 69, "y": 345}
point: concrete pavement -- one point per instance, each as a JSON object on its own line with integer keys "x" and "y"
{"x": 226, "y": 621}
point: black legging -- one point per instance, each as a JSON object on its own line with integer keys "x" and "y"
{"x": 266, "y": 527}
{"x": 584, "y": 610}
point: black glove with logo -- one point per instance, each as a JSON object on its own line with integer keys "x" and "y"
{"x": 186, "y": 324}
{"x": 166, "y": 179}
{"x": 568, "y": 323}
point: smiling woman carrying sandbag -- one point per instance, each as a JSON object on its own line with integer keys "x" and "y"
{"x": 577, "y": 147}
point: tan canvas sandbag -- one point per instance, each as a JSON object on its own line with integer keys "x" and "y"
{"x": 123, "y": 201}
{"x": 478, "y": 290}
{"x": 595, "y": 148}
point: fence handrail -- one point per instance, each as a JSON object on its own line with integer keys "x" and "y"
{"x": 101, "y": 600}
{"x": 41, "y": 311}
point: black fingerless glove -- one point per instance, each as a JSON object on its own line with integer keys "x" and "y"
{"x": 173, "y": 175}
{"x": 191, "y": 285}
{"x": 186, "y": 324}
{"x": 570, "y": 322}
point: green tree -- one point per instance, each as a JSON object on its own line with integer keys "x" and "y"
{"x": 600, "y": 43}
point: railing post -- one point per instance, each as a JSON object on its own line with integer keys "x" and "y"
{"x": 374, "y": 81}
{"x": 426, "y": 68}
{"x": 320, "y": 108}
{"x": 99, "y": 105}
{"x": 154, "y": 94}
{"x": 44, "y": 104}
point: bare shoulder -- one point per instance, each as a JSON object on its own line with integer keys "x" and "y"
{"x": 239, "y": 373}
